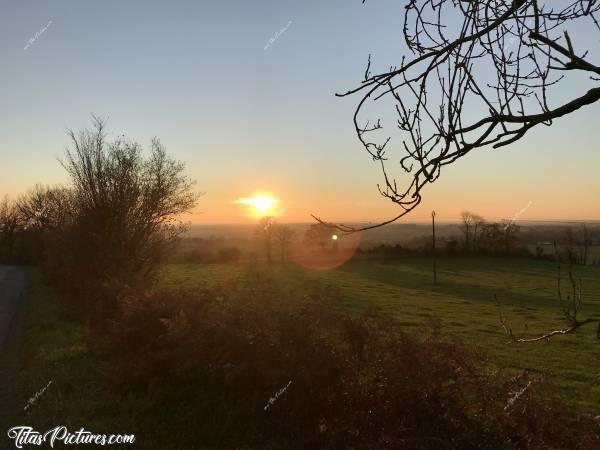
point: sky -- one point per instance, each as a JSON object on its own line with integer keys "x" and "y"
{"x": 243, "y": 93}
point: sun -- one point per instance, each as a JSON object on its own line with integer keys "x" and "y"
{"x": 261, "y": 204}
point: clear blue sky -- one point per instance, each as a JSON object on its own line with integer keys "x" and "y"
{"x": 245, "y": 119}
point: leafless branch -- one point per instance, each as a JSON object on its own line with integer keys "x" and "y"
{"x": 570, "y": 307}
{"x": 487, "y": 82}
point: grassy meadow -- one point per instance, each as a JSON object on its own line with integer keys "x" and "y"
{"x": 55, "y": 345}
{"x": 462, "y": 304}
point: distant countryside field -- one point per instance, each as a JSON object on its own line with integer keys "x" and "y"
{"x": 463, "y": 302}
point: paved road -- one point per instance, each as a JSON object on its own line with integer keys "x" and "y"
{"x": 12, "y": 287}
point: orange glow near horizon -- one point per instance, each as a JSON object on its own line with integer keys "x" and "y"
{"x": 262, "y": 204}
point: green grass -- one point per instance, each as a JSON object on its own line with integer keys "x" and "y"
{"x": 53, "y": 345}
{"x": 53, "y": 353}
{"x": 463, "y": 300}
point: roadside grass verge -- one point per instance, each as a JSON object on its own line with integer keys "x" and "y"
{"x": 58, "y": 377}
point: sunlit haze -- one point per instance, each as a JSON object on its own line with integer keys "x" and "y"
{"x": 244, "y": 94}
{"x": 260, "y": 205}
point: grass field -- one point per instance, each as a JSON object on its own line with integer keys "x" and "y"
{"x": 54, "y": 345}
{"x": 463, "y": 301}
{"x": 58, "y": 368}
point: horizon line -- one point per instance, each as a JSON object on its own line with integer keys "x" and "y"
{"x": 414, "y": 222}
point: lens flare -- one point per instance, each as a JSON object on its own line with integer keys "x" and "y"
{"x": 332, "y": 252}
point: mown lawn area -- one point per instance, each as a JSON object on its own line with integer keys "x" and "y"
{"x": 463, "y": 303}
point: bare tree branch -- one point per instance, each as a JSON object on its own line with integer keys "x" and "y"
{"x": 570, "y": 307}
{"x": 484, "y": 83}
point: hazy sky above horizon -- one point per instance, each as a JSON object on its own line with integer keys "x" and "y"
{"x": 247, "y": 119}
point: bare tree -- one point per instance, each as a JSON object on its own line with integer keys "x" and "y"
{"x": 478, "y": 223}
{"x": 480, "y": 74}
{"x": 473, "y": 230}
{"x": 470, "y": 222}
{"x": 127, "y": 208}
{"x": 9, "y": 227}
{"x": 265, "y": 235}
{"x": 283, "y": 236}
{"x": 465, "y": 216}
{"x": 491, "y": 237}
{"x": 45, "y": 214}
{"x": 510, "y": 231}
{"x": 570, "y": 251}
{"x": 46, "y": 208}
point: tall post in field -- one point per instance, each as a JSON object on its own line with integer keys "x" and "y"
{"x": 433, "y": 247}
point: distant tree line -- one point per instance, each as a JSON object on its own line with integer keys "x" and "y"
{"x": 273, "y": 240}
{"x": 478, "y": 237}
{"x": 270, "y": 242}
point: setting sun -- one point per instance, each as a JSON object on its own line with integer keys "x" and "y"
{"x": 261, "y": 204}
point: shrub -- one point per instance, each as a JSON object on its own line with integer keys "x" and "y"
{"x": 115, "y": 222}
{"x": 217, "y": 357}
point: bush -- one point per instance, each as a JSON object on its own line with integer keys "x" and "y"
{"x": 217, "y": 357}
{"x": 115, "y": 222}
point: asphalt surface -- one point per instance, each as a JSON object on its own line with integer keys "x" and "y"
{"x": 12, "y": 287}
{"x": 13, "y": 282}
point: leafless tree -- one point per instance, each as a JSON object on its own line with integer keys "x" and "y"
{"x": 9, "y": 227}
{"x": 471, "y": 228}
{"x": 479, "y": 74}
{"x": 265, "y": 235}
{"x": 46, "y": 208}
{"x": 570, "y": 248}
{"x": 478, "y": 223}
{"x": 283, "y": 236}
{"x": 45, "y": 213}
{"x": 492, "y": 237}
{"x": 510, "y": 231}
{"x": 127, "y": 208}
{"x": 467, "y": 223}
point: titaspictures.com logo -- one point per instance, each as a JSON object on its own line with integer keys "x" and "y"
{"x": 24, "y": 435}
